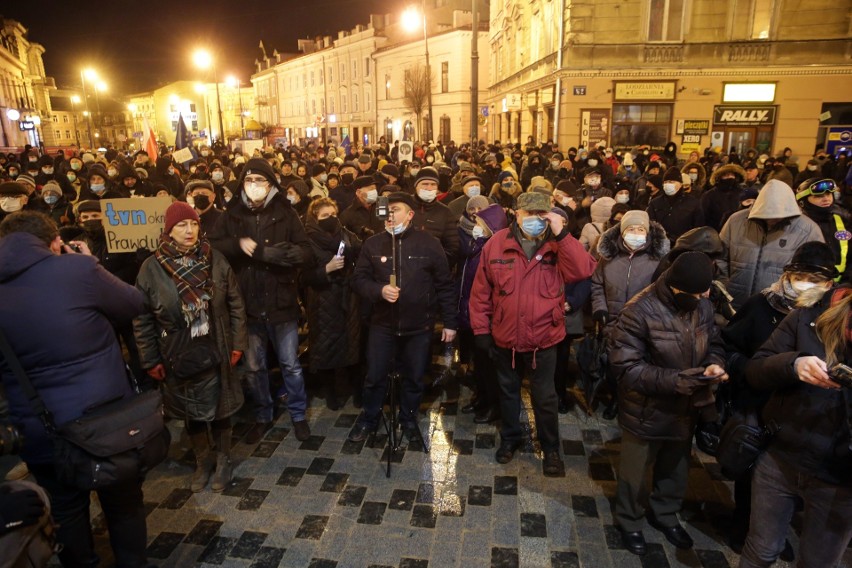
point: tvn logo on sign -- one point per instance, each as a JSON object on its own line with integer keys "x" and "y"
{"x": 724, "y": 115}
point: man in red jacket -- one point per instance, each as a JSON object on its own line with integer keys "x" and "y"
{"x": 516, "y": 312}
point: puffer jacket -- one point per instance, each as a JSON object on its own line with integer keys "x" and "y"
{"x": 520, "y": 302}
{"x": 717, "y": 203}
{"x": 267, "y": 278}
{"x": 814, "y": 434}
{"x": 58, "y": 313}
{"x": 435, "y": 218}
{"x": 650, "y": 344}
{"x": 621, "y": 273}
{"x": 756, "y": 255}
{"x": 332, "y": 306}
{"x": 219, "y": 395}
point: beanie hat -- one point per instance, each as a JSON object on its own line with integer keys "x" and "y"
{"x": 566, "y": 186}
{"x": 97, "y": 170}
{"x": 52, "y": 186}
{"x": 813, "y": 257}
{"x": 656, "y": 181}
{"x": 673, "y": 174}
{"x": 427, "y": 173}
{"x": 480, "y": 201}
{"x": 317, "y": 170}
{"x": 26, "y": 179}
{"x": 45, "y": 161}
{"x": 748, "y": 193}
{"x": 505, "y": 174}
{"x": 12, "y": 188}
{"x": 533, "y": 201}
{"x": 635, "y": 217}
{"x": 601, "y": 209}
{"x": 365, "y": 159}
{"x": 177, "y": 212}
{"x": 691, "y": 272}
{"x": 391, "y": 170}
{"x": 258, "y": 166}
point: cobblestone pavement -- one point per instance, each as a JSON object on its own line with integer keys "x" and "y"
{"x": 326, "y": 502}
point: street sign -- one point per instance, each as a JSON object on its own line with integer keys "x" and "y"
{"x": 579, "y": 90}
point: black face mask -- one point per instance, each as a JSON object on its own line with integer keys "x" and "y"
{"x": 727, "y": 184}
{"x": 685, "y": 302}
{"x": 202, "y": 202}
{"x": 93, "y": 226}
{"x": 329, "y": 224}
{"x": 347, "y": 179}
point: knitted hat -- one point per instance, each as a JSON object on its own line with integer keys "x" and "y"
{"x": 177, "y": 212}
{"x": 505, "y": 174}
{"x": 673, "y": 174}
{"x": 317, "y": 170}
{"x": 51, "y": 186}
{"x": 480, "y": 202}
{"x": 601, "y": 208}
{"x": 566, "y": 186}
{"x": 26, "y": 179}
{"x": 748, "y": 193}
{"x": 257, "y": 166}
{"x": 365, "y": 158}
{"x": 12, "y": 188}
{"x": 691, "y": 272}
{"x": 656, "y": 181}
{"x": 477, "y": 179}
{"x": 97, "y": 170}
{"x": 635, "y": 217}
{"x": 390, "y": 170}
{"x": 427, "y": 173}
{"x": 533, "y": 201}
{"x": 813, "y": 257}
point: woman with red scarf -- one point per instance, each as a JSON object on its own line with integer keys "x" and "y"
{"x": 191, "y": 337}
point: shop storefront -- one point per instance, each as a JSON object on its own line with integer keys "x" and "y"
{"x": 743, "y": 127}
{"x": 641, "y": 114}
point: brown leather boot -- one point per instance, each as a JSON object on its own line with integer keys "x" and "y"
{"x": 224, "y": 469}
{"x": 204, "y": 461}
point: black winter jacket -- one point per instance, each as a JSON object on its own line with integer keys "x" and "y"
{"x": 814, "y": 435}
{"x": 651, "y": 344}
{"x": 436, "y": 219}
{"x": 268, "y": 278}
{"x": 677, "y": 214}
{"x": 423, "y": 277}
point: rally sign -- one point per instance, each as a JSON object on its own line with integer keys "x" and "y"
{"x": 131, "y": 224}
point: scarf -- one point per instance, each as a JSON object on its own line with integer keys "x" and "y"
{"x": 466, "y": 224}
{"x": 190, "y": 271}
{"x": 781, "y": 295}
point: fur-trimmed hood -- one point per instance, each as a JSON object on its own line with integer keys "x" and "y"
{"x": 726, "y": 169}
{"x": 610, "y": 244}
{"x": 702, "y": 174}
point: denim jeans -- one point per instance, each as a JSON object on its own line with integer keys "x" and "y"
{"x": 510, "y": 370}
{"x": 123, "y": 510}
{"x": 826, "y": 523}
{"x": 386, "y": 352}
{"x": 285, "y": 342}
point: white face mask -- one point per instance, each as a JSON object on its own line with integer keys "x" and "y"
{"x": 669, "y": 189}
{"x": 427, "y": 195}
{"x": 592, "y": 162}
{"x": 633, "y": 241}
{"x": 693, "y": 176}
{"x": 622, "y": 197}
{"x": 812, "y": 168}
{"x": 323, "y": 178}
{"x": 477, "y": 232}
{"x": 11, "y": 204}
{"x": 554, "y": 164}
{"x": 257, "y": 192}
{"x": 473, "y": 191}
{"x": 291, "y": 199}
{"x": 371, "y": 196}
{"x": 217, "y": 176}
{"x": 801, "y": 286}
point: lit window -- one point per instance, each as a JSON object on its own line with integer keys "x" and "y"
{"x": 749, "y": 93}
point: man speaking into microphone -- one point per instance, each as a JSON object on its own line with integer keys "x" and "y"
{"x": 404, "y": 274}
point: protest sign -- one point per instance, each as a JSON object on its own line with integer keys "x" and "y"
{"x": 131, "y": 224}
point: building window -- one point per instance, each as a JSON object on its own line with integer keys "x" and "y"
{"x": 313, "y": 106}
{"x": 58, "y": 134}
{"x": 634, "y": 124}
{"x": 665, "y": 20}
{"x": 367, "y": 101}
{"x": 330, "y": 74}
{"x": 445, "y": 77}
{"x": 343, "y": 103}
{"x": 321, "y": 77}
{"x": 195, "y": 126}
{"x": 444, "y": 129}
{"x": 331, "y": 104}
{"x": 366, "y": 67}
{"x": 67, "y": 134}
{"x": 387, "y": 87}
{"x": 55, "y": 118}
{"x": 354, "y": 102}
{"x": 65, "y": 118}
{"x": 305, "y": 80}
{"x": 312, "y": 78}
{"x": 192, "y": 107}
{"x": 761, "y": 18}
{"x": 342, "y": 71}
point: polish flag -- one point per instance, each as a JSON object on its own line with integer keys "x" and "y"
{"x": 149, "y": 142}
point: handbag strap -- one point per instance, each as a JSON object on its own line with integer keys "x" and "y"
{"x": 36, "y": 402}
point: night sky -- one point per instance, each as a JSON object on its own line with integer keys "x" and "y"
{"x": 137, "y": 46}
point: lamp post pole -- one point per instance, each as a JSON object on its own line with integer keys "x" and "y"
{"x": 74, "y": 113}
{"x": 218, "y": 103}
{"x": 474, "y": 71}
{"x": 242, "y": 115}
{"x": 86, "y": 104}
{"x": 428, "y": 75}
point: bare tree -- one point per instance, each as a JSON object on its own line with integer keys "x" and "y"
{"x": 417, "y": 87}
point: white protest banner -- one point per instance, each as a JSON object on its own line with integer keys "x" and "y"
{"x": 406, "y": 151}
{"x": 181, "y": 156}
{"x": 131, "y": 224}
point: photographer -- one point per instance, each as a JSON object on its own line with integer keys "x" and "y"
{"x": 69, "y": 296}
{"x": 810, "y": 456}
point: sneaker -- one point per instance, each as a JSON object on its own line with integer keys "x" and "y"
{"x": 302, "y": 430}
{"x": 553, "y": 466}
{"x": 506, "y": 451}
{"x": 257, "y": 431}
{"x": 359, "y": 433}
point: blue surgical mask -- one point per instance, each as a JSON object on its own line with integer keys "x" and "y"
{"x": 97, "y": 187}
{"x": 51, "y": 199}
{"x": 473, "y": 191}
{"x": 534, "y": 226}
{"x": 396, "y": 229}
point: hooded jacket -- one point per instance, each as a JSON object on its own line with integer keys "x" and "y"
{"x": 757, "y": 254}
{"x": 719, "y": 202}
{"x": 651, "y": 343}
{"x": 520, "y": 302}
{"x": 622, "y": 273}
{"x": 471, "y": 250}
{"x": 58, "y": 313}
{"x": 600, "y": 214}
{"x": 698, "y": 184}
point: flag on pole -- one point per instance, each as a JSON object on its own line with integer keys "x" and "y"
{"x": 182, "y": 138}
{"x": 149, "y": 141}
{"x": 347, "y": 144}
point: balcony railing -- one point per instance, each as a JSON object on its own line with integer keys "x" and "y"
{"x": 663, "y": 53}
{"x": 751, "y": 51}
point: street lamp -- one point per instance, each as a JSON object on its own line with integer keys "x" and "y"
{"x": 411, "y": 21}
{"x": 234, "y": 82}
{"x": 91, "y": 75}
{"x": 203, "y": 60}
{"x": 75, "y": 100}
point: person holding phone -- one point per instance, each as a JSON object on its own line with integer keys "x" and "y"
{"x": 810, "y": 457}
{"x": 666, "y": 354}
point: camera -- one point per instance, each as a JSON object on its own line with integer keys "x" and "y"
{"x": 842, "y": 375}
{"x": 11, "y": 440}
{"x": 75, "y": 248}
{"x": 382, "y": 207}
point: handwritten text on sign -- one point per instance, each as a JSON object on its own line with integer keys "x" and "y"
{"x": 131, "y": 224}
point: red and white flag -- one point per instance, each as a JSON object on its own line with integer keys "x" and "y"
{"x": 149, "y": 142}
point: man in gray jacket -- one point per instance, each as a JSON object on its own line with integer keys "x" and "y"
{"x": 761, "y": 241}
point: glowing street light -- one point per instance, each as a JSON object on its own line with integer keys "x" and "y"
{"x": 411, "y": 19}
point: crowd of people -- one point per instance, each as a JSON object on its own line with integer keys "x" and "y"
{"x": 714, "y": 279}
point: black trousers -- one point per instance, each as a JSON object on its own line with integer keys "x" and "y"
{"x": 123, "y": 510}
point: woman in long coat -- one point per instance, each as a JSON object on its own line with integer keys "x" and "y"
{"x": 190, "y": 288}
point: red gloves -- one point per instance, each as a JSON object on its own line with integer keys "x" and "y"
{"x": 235, "y": 357}
{"x": 157, "y": 373}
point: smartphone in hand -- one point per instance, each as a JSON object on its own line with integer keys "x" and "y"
{"x": 842, "y": 375}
